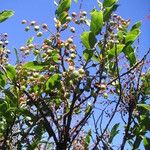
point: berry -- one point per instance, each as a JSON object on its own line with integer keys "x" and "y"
{"x": 33, "y": 23}
{"x": 44, "y": 26}
{"x": 22, "y": 48}
{"x": 39, "y": 34}
{"x": 27, "y": 28}
{"x": 72, "y": 29}
{"x": 68, "y": 19}
{"x": 23, "y": 21}
{"x": 36, "y": 28}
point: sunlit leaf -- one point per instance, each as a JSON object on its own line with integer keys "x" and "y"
{"x": 87, "y": 140}
{"x": 146, "y": 142}
{"x": 34, "y": 65}
{"x": 10, "y": 71}
{"x": 132, "y": 35}
{"x": 88, "y": 39}
{"x": 108, "y": 11}
{"x": 87, "y": 54}
{"x": 53, "y": 81}
{"x": 118, "y": 47}
{"x": 2, "y": 79}
{"x": 130, "y": 55}
{"x": 96, "y": 21}
{"x": 137, "y": 25}
{"x": 30, "y": 40}
{"x": 114, "y": 132}
{"x": 145, "y": 106}
{"x": 108, "y": 3}
{"x": 5, "y": 15}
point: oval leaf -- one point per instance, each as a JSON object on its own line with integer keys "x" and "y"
{"x": 96, "y": 21}
{"x": 34, "y": 65}
{"x": 88, "y": 39}
{"x": 108, "y": 3}
{"x": 5, "y": 15}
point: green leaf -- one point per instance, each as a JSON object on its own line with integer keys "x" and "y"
{"x": 137, "y": 25}
{"x": 88, "y": 108}
{"x": 56, "y": 57}
{"x": 34, "y": 65}
{"x": 63, "y": 6}
{"x": 53, "y": 81}
{"x": 132, "y": 35}
{"x": 30, "y": 40}
{"x": 4, "y": 15}
{"x": 2, "y": 79}
{"x": 87, "y": 140}
{"x": 129, "y": 53}
{"x": 146, "y": 142}
{"x": 111, "y": 52}
{"x": 108, "y": 3}
{"x": 88, "y": 39}
{"x": 17, "y": 56}
{"x": 10, "y": 71}
{"x": 145, "y": 106}
{"x": 62, "y": 17}
{"x": 114, "y": 132}
{"x": 76, "y": 1}
{"x": 108, "y": 11}
{"x": 96, "y": 21}
{"x": 87, "y": 54}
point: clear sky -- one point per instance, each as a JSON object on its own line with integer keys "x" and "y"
{"x": 43, "y": 12}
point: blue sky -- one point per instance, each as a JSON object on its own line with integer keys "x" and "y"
{"x": 43, "y": 12}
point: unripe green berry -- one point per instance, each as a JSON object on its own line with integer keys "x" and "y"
{"x": 52, "y": 68}
{"x": 23, "y": 21}
{"x": 70, "y": 40}
{"x": 39, "y": 34}
{"x": 68, "y": 19}
{"x": 84, "y": 13}
{"x": 31, "y": 46}
{"x": 72, "y": 29}
{"x": 22, "y": 48}
{"x": 27, "y": 28}
{"x": 105, "y": 95}
{"x": 36, "y": 28}
{"x": 33, "y": 23}
{"x": 44, "y": 26}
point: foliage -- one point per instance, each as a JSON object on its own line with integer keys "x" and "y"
{"x": 67, "y": 97}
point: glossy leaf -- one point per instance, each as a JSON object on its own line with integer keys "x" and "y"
{"x": 108, "y": 11}
{"x": 96, "y": 21}
{"x": 4, "y": 15}
{"x": 114, "y": 132}
{"x": 136, "y": 25}
{"x": 52, "y": 81}
{"x": 146, "y": 142}
{"x": 62, "y": 17}
{"x": 87, "y": 54}
{"x": 132, "y": 35}
{"x": 129, "y": 53}
{"x": 63, "y": 6}
{"x": 87, "y": 140}
{"x": 111, "y": 52}
{"x": 10, "y": 71}
{"x": 88, "y": 40}
{"x": 2, "y": 79}
{"x": 30, "y": 40}
{"x": 34, "y": 65}
{"x": 145, "y": 106}
{"x": 108, "y": 3}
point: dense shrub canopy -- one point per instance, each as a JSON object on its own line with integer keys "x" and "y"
{"x": 79, "y": 92}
